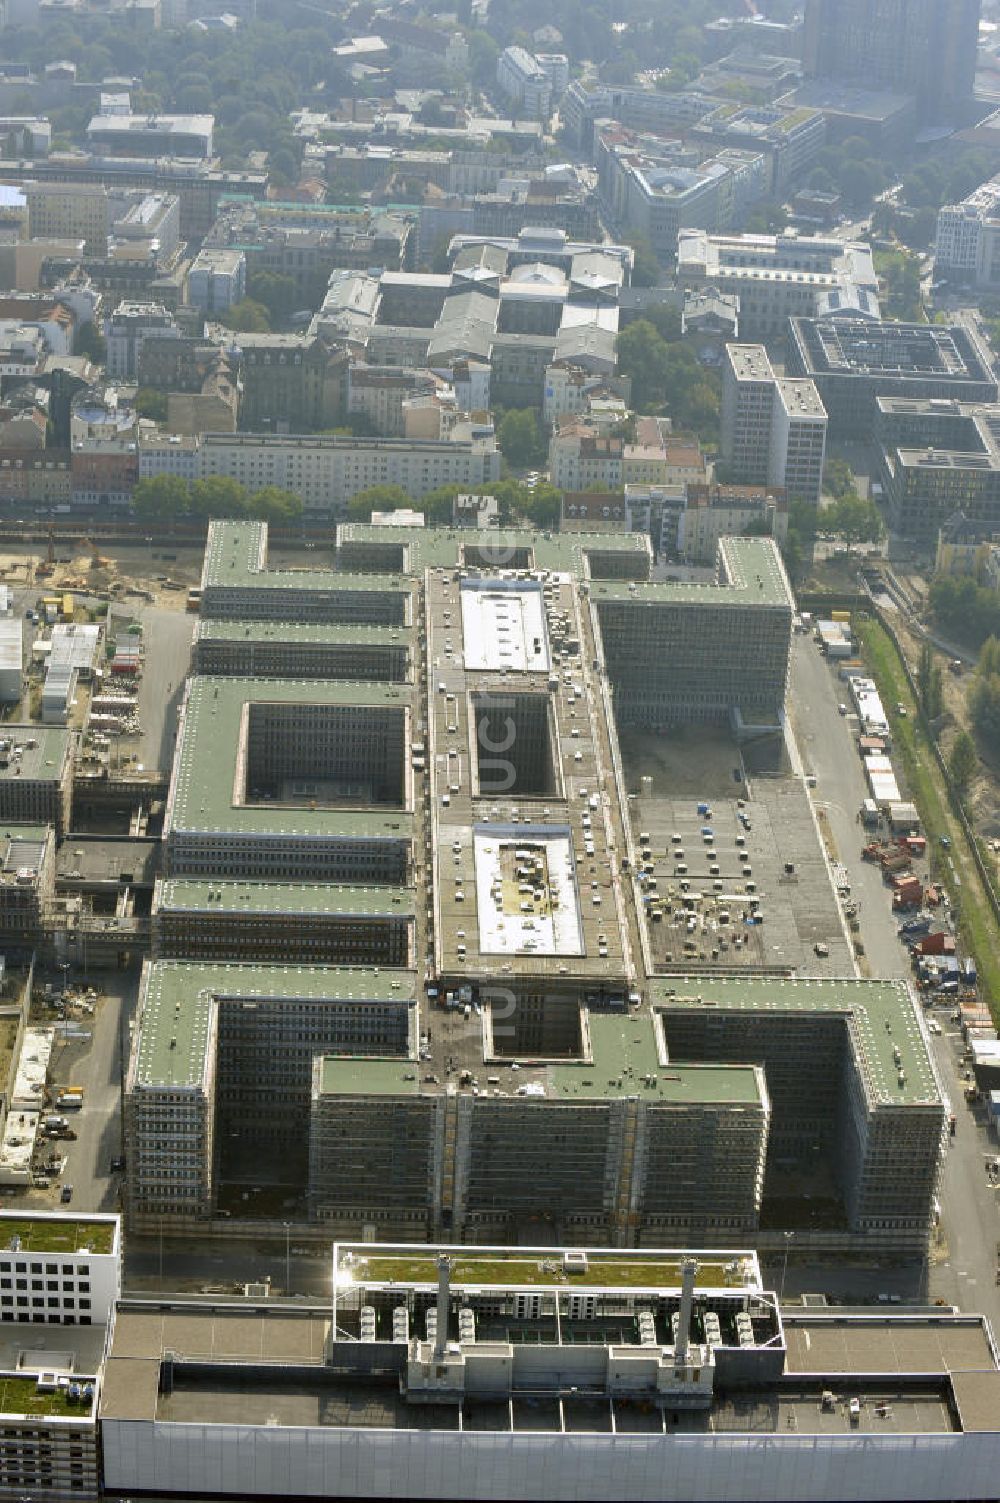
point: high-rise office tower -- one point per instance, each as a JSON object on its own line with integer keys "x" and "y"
{"x": 926, "y": 48}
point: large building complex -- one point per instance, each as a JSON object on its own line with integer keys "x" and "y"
{"x": 778, "y": 277}
{"x": 853, "y": 361}
{"x": 403, "y": 936}
{"x": 938, "y": 457}
{"x": 573, "y": 1373}
{"x": 773, "y": 428}
{"x": 923, "y": 48}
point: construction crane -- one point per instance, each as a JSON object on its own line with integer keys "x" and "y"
{"x": 43, "y": 571}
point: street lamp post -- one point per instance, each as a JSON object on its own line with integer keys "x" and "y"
{"x": 288, "y": 1263}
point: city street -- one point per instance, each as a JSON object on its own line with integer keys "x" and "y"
{"x": 95, "y": 1064}
{"x": 963, "y": 1263}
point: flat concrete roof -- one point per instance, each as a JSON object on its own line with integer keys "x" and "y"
{"x": 177, "y": 999}
{"x": 210, "y": 895}
{"x": 503, "y": 625}
{"x": 301, "y": 633}
{"x": 754, "y": 576}
{"x": 208, "y": 746}
{"x": 881, "y": 1016}
{"x": 527, "y": 895}
{"x": 44, "y": 749}
{"x": 838, "y": 1345}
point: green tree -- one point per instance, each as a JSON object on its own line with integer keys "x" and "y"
{"x": 520, "y": 439}
{"x": 151, "y": 403}
{"x": 962, "y": 762}
{"x": 377, "y": 498}
{"x": 542, "y": 506}
{"x": 247, "y": 317}
{"x": 275, "y": 291}
{"x": 90, "y": 341}
{"x": 161, "y": 496}
{"x": 646, "y": 270}
{"x": 838, "y": 477}
{"x": 929, "y": 682}
{"x": 853, "y": 519}
{"x": 218, "y": 496}
{"x": 984, "y": 698}
{"x": 272, "y": 504}
{"x": 644, "y": 357}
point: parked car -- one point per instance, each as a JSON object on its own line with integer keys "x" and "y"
{"x": 66, "y": 1194}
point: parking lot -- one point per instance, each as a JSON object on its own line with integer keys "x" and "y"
{"x": 94, "y": 1063}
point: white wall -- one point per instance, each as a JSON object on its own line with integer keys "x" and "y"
{"x": 248, "y": 1461}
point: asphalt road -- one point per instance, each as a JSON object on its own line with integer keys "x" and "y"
{"x": 167, "y": 636}
{"x": 962, "y": 1268}
{"x": 95, "y": 1064}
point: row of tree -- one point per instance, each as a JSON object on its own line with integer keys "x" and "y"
{"x": 170, "y": 496}
{"x": 965, "y": 609}
{"x": 984, "y": 695}
{"x": 541, "y": 505}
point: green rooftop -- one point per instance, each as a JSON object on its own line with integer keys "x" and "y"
{"x": 236, "y": 558}
{"x": 58, "y": 1233}
{"x": 200, "y": 895}
{"x": 178, "y": 997}
{"x": 755, "y": 576}
{"x": 43, "y": 752}
{"x": 205, "y": 764}
{"x": 302, "y": 633}
{"x": 442, "y": 547}
{"x": 623, "y": 1051}
{"x": 880, "y": 1015}
{"x": 23, "y": 1396}
{"x": 623, "y": 1058}
{"x": 362, "y": 1264}
{"x": 369, "y": 1076}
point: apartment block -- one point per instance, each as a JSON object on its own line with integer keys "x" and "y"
{"x": 219, "y": 1083}
{"x": 126, "y": 330}
{"x": 69, "y": 211}
{"x": 327, "y": 471}
{"x": 148, "y": 229}
{"x": 926, "y": 49}
{"x": 152, "y": 135}
{"x": 711, "y": 513}
{"x": 582, "y": 459}
{"x": 773, "y": 429}
{"x": 216, "y": 280}
{"x": 526, "y": 82}
{"x": 659, "y": 187}
{"x": 237, "y": 584}
{"x": 679, "y": 653}
{"x": 937, "y": 458}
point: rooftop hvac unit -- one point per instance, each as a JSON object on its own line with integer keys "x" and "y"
{"x": 527, "y": 1306}
{"x": 581, "y": 1306}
